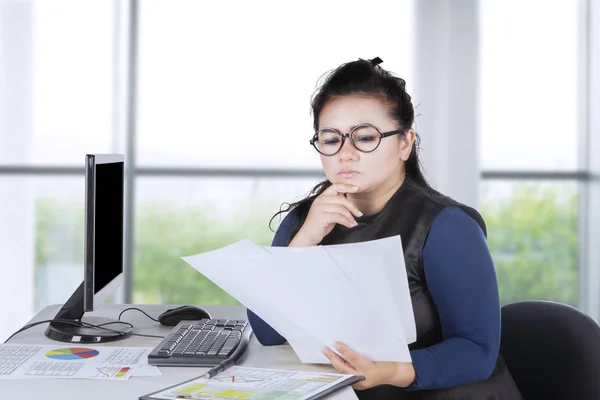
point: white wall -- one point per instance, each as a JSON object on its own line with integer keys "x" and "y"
{"x": 446, "y": 95}
{"x": 590, "y": 212}
{"x": 17, "y": 229}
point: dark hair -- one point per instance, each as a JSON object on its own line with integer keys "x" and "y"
{"x": 365, "y": 77}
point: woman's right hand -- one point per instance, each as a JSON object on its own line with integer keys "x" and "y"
{"x": 329, "y": 208}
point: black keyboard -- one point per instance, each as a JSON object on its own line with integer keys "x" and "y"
{"x": 203, "y": 343}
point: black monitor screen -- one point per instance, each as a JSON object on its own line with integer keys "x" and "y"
{"x": 108, "y": 224}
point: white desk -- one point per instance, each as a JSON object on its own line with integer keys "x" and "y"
{"x": 50, "y": 389}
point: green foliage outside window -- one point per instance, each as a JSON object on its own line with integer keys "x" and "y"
{"x": 532, "y": 236}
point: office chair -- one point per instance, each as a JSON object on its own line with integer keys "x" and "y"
{"x": 552, "y": 350}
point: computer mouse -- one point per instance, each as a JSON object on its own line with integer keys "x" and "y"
{"x": 172, "y": 316}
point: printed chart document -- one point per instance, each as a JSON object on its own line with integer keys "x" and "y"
{"x": 313, "y": 296}
{"x": 72, "y": 362}
{"x": 257, "y": 383}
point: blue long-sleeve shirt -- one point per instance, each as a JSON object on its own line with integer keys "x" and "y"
{"x": 462, "y": 282}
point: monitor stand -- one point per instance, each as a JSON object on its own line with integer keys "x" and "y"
{"x": 68, "y": 326}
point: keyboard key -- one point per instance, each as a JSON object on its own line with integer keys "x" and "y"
{"x": 217, "y": 345}
{"x": 219, "y": 341}
{"x": 167, "y": 345}
{"x": 225, "y": 351}
{"x": 198, "y": 341}
{"x": 231, "y": 343}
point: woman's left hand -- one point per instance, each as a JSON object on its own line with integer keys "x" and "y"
{"x": 375, "y": 372}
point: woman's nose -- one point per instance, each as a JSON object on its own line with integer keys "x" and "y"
{"x": 348, "y": 152}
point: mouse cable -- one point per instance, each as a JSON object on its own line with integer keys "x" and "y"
{"x": 68, "y": 322}
{"x": 142, "y": 311}
{"x": 82, "y": 324}
{"x": 127, "y": 323}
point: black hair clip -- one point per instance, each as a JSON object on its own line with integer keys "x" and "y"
{"x": 376, "y": 61}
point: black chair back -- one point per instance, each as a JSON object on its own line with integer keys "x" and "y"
{"x": 552, "y": 350}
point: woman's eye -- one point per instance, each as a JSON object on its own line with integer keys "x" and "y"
{"x": 331, "y": 141}
{"x": 369, "y": 138}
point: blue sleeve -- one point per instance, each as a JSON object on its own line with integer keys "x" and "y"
{"x": 265, "y": 334}
{"x": 462, "y": 281}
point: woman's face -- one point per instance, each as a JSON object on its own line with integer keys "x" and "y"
{"x": 371, "y": 172}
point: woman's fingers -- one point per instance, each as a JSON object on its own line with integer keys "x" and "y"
{"x": 338, "y": 363}
{"x": 330, "y": 208}
{"x": 340, "y": 215}
{"x": 358, "y": 361}
{"x": 344, "y": 202}
{"x": 340, "y": 219}
{"x": 340, "y": 188}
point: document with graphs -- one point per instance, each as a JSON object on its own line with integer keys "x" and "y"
{"x": 313, "y": 296}
{"x": 72, "y": 361}
{"x": 257, "y": 383}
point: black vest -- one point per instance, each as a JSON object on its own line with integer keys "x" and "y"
{"x": 410, "y": 213}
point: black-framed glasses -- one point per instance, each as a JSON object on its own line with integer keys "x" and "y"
{"x": 364, "y": 137}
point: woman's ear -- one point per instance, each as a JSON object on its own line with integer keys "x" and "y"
{"x": 407, "y": 142}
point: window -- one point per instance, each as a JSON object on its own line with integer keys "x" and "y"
{"x": 56, "y": 105}
{"x": 529, "y": 85}
{"x": 57, "y": 102}
{"x": 178, "y": 217}
{"x": 533, "y": 238}
{"x": 57, "y": 96}
{"x": 223, "y": 88}
{"x": 530, "y": 138}
{"x": 60, "y": 99}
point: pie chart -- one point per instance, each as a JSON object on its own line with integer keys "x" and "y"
{"x": 72, "y": 353}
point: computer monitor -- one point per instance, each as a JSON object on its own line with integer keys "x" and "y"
{"x": 103, "y": 256}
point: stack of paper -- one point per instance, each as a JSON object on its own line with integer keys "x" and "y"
{"x": 313, "y": 296}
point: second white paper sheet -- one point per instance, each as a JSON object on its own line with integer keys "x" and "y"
{"x": 214, "y": 266}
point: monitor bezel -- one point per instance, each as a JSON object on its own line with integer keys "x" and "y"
{"x": 92, "y": 300}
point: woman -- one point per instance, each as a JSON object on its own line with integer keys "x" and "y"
{"x": 363, "y": 120}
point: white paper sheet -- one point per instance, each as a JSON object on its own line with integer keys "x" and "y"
{"x": 361, "y": 261}
{"x": 350, "y": 293}
{"x": 71, "y": 362}
{"x": 147, "y": 370}
{"x": 326, "y": 303}
{"x": 371, "y": 266}
{"x": 215, "y": 263}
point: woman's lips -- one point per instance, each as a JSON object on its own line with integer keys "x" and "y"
{"x": 347, "y": 174}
